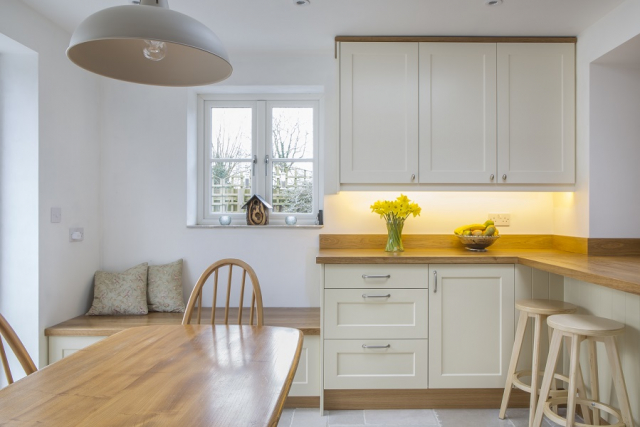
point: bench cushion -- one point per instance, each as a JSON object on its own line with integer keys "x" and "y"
{"x": 120, "y": 293}
{"x": 165, "y": 288}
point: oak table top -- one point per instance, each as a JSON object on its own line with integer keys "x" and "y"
{"x": 193, "y": 375}
{"x": 617, "y": 272}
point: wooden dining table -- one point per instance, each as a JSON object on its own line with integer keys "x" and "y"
{"x": 194, "y": 375}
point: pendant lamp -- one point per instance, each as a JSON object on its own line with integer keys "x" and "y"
{"x": 149, "y": 44}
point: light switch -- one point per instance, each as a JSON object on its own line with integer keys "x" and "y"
{"x": 76, "y": 234}
{"x": 56, "y": 215}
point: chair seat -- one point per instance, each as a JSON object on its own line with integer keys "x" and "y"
{"x": 584, "y": 324}
{"x": 545, "y": 307}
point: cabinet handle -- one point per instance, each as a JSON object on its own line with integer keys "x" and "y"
{"x": 376, "y": 296}
{"x": 504, "y": 177}
{"x": 491, "y": 177}
{"x": 435, "y": 277}
{"x": 366, "y": 276}
{"x": 376, "y": 346}
{"x": 413, "y": 177}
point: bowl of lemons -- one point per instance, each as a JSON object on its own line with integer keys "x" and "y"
{"x": 477, "y": 237}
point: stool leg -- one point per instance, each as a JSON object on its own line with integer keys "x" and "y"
{"x": 515, "y": 354}
{"x": 554, "y": 383}
{"x": 595, "y": 386}
{"x": 552, "y": 360}
{"x": 573, "y": 380}
{"x": 582, "y": 393}
{"x": 618, "y": 380}
{"x": 535, "y": 366}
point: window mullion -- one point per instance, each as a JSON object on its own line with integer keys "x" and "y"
{"x": 262, "y": 169}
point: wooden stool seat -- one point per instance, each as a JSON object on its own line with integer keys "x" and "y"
{"x": 578, "y": 328}
{"x": 545, "y": 307}
{"x": 538, "y": 310}
{"x": 587, "y": 325}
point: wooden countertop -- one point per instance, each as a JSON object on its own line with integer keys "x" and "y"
{"x": 616, "y": 272}
{"x": 307, "y": 320}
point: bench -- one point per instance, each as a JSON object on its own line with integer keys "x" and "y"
{"x": 72, "y": 335}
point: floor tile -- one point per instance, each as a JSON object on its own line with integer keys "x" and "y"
{"x": 520, "y": 418}
{"x": 308, "y": 417}
{"x": 397, "y": 417}
{"x": 471, "y": 418}
{"x": 344, "y": 418}
{"x": 285, "y": 417}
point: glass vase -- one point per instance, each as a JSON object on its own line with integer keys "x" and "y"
{"x": 394, "y": 238}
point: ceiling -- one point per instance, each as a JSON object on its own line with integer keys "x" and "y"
{"x": 250, "y": 26}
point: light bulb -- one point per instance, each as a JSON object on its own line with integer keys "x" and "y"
{"x": 155, "y": 50}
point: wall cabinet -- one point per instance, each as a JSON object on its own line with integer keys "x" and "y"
{"x": 379, "y": 112}
{"x": 471, "y": 325}
{"x": 457, "y": 113}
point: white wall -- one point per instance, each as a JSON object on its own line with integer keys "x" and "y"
{"x": 615, "y": 151}
{"x": 69, "y": 169}
{"x": 579, "y": 217}
{"x": 19, "y": 193}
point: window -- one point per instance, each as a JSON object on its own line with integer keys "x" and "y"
{"x": 267, "y": 147}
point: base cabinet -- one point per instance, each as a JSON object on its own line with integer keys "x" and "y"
{"x": 471, "y": 325}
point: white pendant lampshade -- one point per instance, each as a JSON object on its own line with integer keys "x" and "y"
{"x": 149, "y": 44}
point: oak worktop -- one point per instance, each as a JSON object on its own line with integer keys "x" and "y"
{"x": 616, "y": 272}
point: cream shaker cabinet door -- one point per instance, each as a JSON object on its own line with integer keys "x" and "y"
{"x": 375, "y": 364}
{"x": 471, "y": 325}
{"x": 376, "y": 313}
{"x": 458, "y": 113}
{"x": 536, "y": 113}
{"x": 378, "y": 113}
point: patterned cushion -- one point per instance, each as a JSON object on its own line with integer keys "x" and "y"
{"x": 120, "y": 293}
{"x": 165, "y": 288}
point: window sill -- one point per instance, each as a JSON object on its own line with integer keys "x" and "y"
{"x": 311, "y": 226}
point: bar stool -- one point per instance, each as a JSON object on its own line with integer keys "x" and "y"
{"x": 539, "y": 310}
{"x": 578, "y": 328}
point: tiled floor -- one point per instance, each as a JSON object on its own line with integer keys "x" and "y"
{"x": 407, "y": 418}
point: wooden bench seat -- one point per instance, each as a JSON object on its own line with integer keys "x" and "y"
{"x": 307, "y": 320}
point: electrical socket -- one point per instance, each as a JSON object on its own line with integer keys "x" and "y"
{"x": 76, "y": 234}
{"x": 500, "y": 219}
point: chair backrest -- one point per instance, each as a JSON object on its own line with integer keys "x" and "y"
{"x": 9, "y": 335}
{"x": 196, "y": 294}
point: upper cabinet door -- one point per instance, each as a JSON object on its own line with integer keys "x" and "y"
{"x": 536, "y": 113}
{"x": 378, "y": 113}
{"x": 458, "y": 113}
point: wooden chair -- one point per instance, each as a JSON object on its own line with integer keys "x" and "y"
{"x": 196, "y": 294}
{"x": 9, "y": 335}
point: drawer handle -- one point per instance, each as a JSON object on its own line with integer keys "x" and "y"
{"x": 376, "y": 296}
{"x": 376, "y": 346}
{"x": 366, "y": 276}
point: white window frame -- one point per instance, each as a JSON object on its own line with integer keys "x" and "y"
{"x": 261, "y": 182}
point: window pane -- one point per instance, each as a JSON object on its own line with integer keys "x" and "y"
{"x": 231, "y": 131}
{"x": 292, "y": 131}
{"x": 230, "y": 186}
{"x": 293, "y": 187}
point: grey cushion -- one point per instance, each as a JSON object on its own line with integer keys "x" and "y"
{"x": 120, "y": 293}
{"x": 165, "y": 288}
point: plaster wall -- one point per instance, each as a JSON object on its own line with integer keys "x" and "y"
{"x": 68, "y": 172}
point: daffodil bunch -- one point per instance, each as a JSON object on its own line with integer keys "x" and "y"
{"x": 398, "y": 209}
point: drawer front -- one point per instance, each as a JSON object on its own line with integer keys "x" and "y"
{"x": 376, "y": 313}
{"x": 365, "y": 276}
{"x": 397, "y": 364}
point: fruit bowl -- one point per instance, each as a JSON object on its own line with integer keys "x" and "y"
{"x": 477, "y": 243}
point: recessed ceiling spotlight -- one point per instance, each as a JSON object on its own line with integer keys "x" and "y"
{"x": 493, "y": 2}
{"x": 302, "y": 2}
